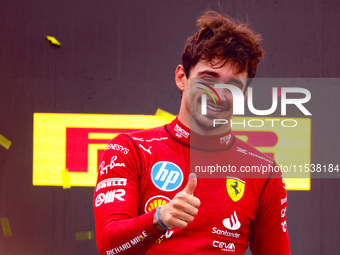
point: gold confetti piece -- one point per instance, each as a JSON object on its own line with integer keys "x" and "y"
{"x": 53, "y": 40}
{"x": 83, "y": 236}
{"x": 5, "y": 142}
{"x": 6, "y": 228}
{"x": 141, "y": 238}
{"x": 66, "y": 179}
{"x": 165, "y": 115}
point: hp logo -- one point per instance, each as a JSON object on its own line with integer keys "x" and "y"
{"x": 166, "y": 176}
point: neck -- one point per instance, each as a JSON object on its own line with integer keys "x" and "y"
{"x": 189, "y": 137}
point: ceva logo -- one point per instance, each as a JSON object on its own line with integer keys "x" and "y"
{"x": 166, "y": 176}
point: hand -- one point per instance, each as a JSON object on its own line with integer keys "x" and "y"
{"x": 181, "y": 209}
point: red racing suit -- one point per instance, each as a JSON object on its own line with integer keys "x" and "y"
{"x": 143, "y": 170}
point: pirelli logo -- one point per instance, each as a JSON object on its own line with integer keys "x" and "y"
{"x": 111, "y": 182}
{"x": 74, "y": 144}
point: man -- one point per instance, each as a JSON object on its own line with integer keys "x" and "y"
{"x": 147, "y": 202}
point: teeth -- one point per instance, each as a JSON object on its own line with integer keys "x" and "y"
{"x": 213, "y": 108}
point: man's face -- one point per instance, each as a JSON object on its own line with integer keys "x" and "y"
{"x": 203, "y": 77}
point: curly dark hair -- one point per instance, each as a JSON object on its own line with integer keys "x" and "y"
{"x": 223, "y": 38}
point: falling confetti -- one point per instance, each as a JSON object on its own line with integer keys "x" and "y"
{"x": 53, "y": 40}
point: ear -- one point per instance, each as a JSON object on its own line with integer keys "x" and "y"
{"x": 180, "y": 77}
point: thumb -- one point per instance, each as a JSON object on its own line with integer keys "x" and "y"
{"x": 192, "y": 183}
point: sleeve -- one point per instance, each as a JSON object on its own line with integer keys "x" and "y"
{"x": 119, "y": 230}
{"x": 269, "y": 234}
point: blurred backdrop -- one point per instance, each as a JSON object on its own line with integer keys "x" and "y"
{"x": 118, "y": 58}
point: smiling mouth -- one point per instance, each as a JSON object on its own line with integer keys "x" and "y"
{"x": 215, "y": 108}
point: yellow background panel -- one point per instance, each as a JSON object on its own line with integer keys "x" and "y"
{"x": 49, "y": 144}
{"x": 292, "y": 149}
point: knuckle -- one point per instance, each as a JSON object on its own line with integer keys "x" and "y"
{"x": 191, "y": 219}
{"x": 175, "y": 214}
{"x": 197, "y": 202}
{"x": 181, "y": 195}
{"x": 183, "y": 224}
{"x": 178, "y": 205}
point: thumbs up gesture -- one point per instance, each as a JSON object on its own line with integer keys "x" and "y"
{"x": 191, "y": 185}
{"x": 181, "y": 209}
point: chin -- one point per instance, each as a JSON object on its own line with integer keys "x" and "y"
{"x": 203, "y": 122}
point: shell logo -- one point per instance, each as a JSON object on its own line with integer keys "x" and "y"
{"x": 155, "y": 201}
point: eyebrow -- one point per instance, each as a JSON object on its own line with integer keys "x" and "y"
{"x": 207, "y": 72}
{"x": 234, "y": 81}
{"x": 237, "y": 81}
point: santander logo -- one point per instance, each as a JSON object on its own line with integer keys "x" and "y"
{"x": 232, "y": 223}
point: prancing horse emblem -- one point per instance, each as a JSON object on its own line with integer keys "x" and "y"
{"x": 235, "y": 188}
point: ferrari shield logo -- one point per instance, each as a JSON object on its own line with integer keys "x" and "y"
{"x": 235, "y": 188}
